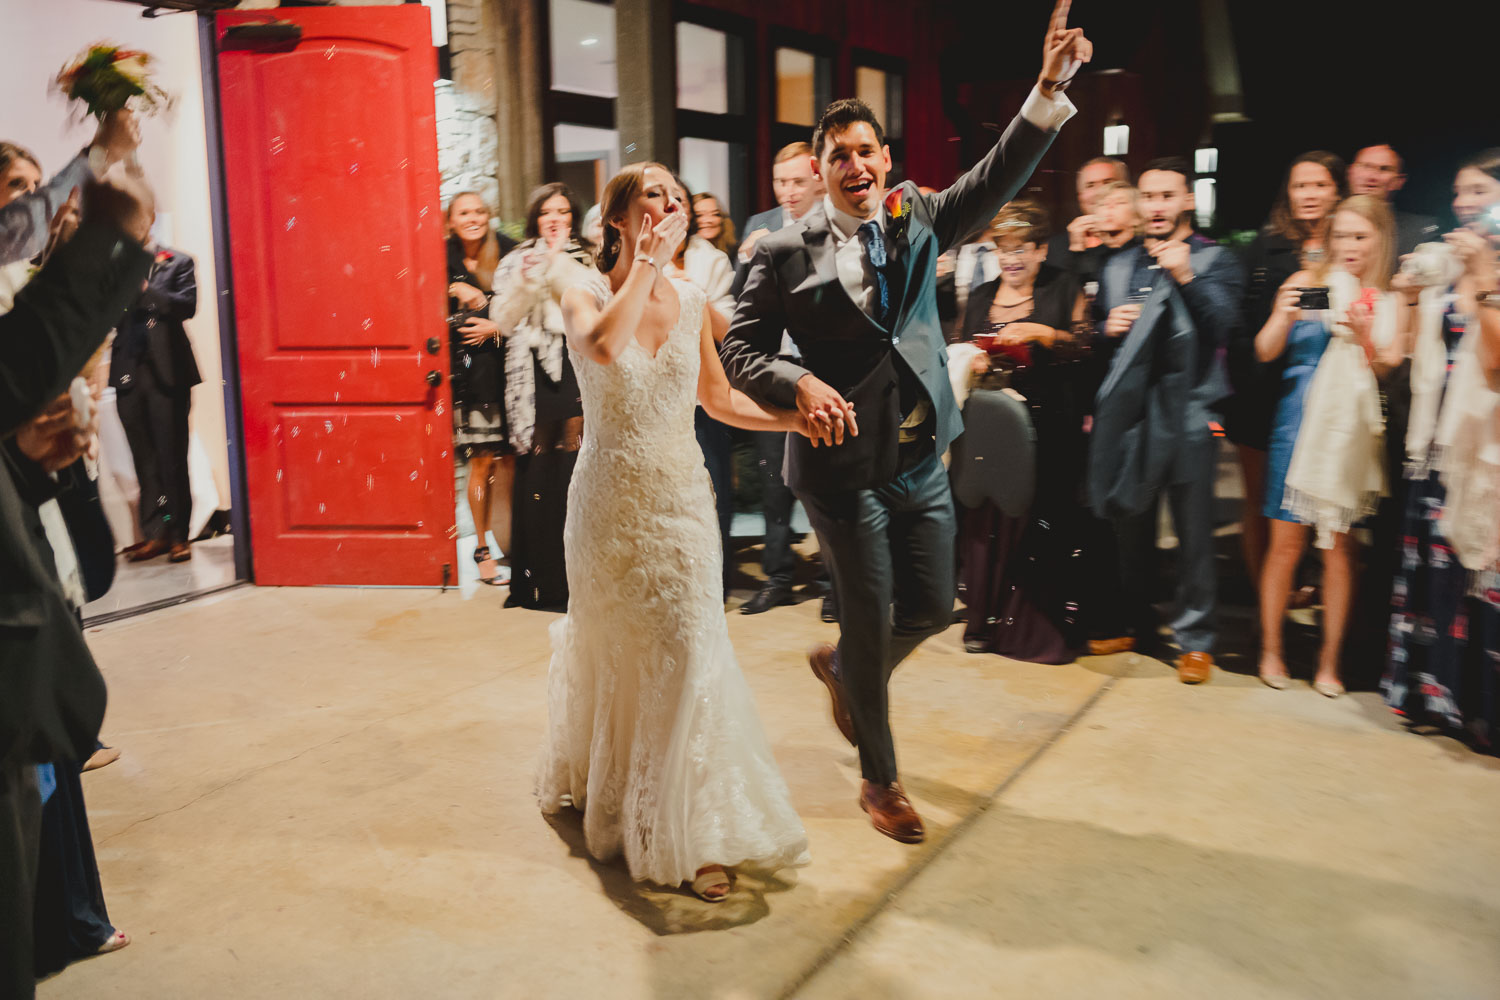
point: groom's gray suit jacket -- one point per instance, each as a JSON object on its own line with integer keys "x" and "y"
{"x": 793, "y": 285}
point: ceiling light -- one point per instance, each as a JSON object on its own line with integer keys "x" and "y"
{"x": 589, "y": 41}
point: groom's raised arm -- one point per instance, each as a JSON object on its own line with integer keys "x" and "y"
{"x": 975, "y": 197}
{"x": 751, "y": 351}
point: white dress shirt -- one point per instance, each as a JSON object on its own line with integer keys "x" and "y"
{"x": 856, "y": 274}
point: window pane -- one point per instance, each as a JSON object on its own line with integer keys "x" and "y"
{"x": 869, "y": 86}
{"x": 702, "y": 69}
{"x": 583, "y": 48}
{"x": 796, "y": 80}
{"x": 586, "y": 159}
{"x": 716, "y": 168}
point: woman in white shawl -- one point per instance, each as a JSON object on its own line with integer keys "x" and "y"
{"x": 1325, "y": 466}
{"x": 1444, "y": 663}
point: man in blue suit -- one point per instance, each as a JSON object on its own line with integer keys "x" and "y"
{"x": 854, "y": 284}
{"x": 797, "y": 190}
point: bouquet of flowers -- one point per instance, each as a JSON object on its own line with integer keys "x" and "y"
{"x": 106, "y": 77}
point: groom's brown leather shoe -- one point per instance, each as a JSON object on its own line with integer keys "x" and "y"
{"x": 1194, "y": 668}
{"x": 891, "y": 812}
{"x": 820, "y": 658}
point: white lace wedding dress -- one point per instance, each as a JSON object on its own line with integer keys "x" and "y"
{"x": 652, "y": 730}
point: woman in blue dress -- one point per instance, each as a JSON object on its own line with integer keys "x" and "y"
{"x": 1443, "y": 667}
{"x": 1359, "y": 245}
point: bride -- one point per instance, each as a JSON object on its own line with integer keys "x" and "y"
{"x": 653, "y": 733}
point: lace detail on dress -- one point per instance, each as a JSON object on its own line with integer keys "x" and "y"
{"x": 652, "y": 731}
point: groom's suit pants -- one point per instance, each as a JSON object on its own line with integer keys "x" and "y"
{"x": 890, "y": 551}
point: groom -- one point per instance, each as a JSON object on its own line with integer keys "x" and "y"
{"x": 853, "y": 283}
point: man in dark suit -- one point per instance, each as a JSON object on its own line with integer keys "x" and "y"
{"x": 51, "y": 692}
{"x": 1379, "y": 171}
{"x": 798, "y": 190}
{"x": 1171, "y": 302}
{"x": 854, "y": 285}
{"x": 153, "y": 372}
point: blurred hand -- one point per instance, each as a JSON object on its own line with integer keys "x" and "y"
{"x": 1361, "y": 319}
{"x": 749, "y": 243}
{"x": 53, "y": 440}
{"x": 65, "y": 222}
{"x": 1064, "y": 50}
{"x": 122, "y": 197}
{"x": 946, "y": 263}
{"x": 828, "y": 414}
{"x": 119, "y": 135}
{"x": 1079, "y": 231}
{"x": 660, "y": 242}
{"x": 1121, "y": 319}
{"x": 1288, "y": 303}
{"x": 980, "y": 364}
{"x": 467, "y": 295}
{"x": 477, "y": 330}
{"x": 1405, "y": 284}
{"x": 1477, "y": 256}
{"x": 1173, "y": 257}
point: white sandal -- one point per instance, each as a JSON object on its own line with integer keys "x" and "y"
{"x": 116, "y": 941}
{"x": 713, "y": 878}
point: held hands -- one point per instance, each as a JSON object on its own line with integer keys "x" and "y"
{"x": 828, "y": 415}
{"x": 1121, "y": 319}
{"x": 660, "y": 242}
{"x": 1173, "y": 257}
{"x": 1064, "y": 50}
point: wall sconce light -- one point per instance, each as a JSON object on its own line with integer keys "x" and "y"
{"x": 1204, "y": 197}
{"x": 1206, "y": 160}
{"x": 1116, "y": 140}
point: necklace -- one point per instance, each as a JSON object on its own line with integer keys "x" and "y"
{"x": 1012, "y": 305}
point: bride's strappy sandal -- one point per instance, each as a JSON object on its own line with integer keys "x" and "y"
{"x": 712, "y": 884}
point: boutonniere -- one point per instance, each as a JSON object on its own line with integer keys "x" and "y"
{"x": 162, "y": 256}
{"x": 900, "y": 211}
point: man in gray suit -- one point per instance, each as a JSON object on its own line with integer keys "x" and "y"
{"x": 1379, "y": 171}
{"x": 854, "y": 283}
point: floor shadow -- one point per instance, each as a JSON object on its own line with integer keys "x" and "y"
{"x": 671, "y": 910}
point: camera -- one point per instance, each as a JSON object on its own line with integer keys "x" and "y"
{"x": 1432, "y": 264}
{"x": 1314, "y": 298}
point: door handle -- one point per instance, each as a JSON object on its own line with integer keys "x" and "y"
{"x": 434, "y": 345}
{"x": 434, "y": 378}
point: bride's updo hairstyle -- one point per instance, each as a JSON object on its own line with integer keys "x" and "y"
{"x": 618, "y": 194}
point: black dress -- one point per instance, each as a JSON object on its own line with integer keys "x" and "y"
{"x": 1026, "y": 580}
{"x": 538, "y": 569}
{"x": 1270, "y": 260}
{"x": 477, "y": 371}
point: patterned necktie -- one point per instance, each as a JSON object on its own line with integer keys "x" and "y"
{"x": 874, "y": 242}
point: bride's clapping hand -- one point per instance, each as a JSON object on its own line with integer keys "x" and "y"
{"x": 660, "y": 242}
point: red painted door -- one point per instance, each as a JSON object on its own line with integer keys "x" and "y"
{"x": 339, "y": 295}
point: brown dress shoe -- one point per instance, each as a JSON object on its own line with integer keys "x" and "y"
{"x": 180, "y": 552}
{"x": 1104, "y": 647}
{"x": 149, "y": 550}
{"x": 891, "y": 812}
{"x": 1194, "y": 668}
{"x": 820, "y": 658}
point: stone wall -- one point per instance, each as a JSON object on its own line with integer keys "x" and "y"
{"x": 468, "y": 145}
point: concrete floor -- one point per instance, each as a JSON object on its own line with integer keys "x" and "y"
{"x": 327, "y": 793}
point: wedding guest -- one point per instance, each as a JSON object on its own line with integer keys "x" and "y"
{"x": 1202, "y": 283}
{"x": 1295, "y": 238}
{"x": 69, "y": 915}
{"x": 700, "y": 263}
{"x": 797, "y": 191}
{"x": 714, "y": 226}
{"x": 1325, "y": 464}
{"x": 1080, "y": 247}
{"x": 1379, "y": 171}
{"x": 25, "y": 221}
{"x": 543, "y": 408}
{"x": 1445, "y": 616}
{"x": 478, "y": 376}
{"x": 1025, "y": 578}
{"x": 51, "y": 692}
{"x": 153, "y": 371}
{"x": 593, "y": 226}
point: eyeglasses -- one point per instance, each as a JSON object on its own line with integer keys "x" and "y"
{"x": 1017, "y": 253}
